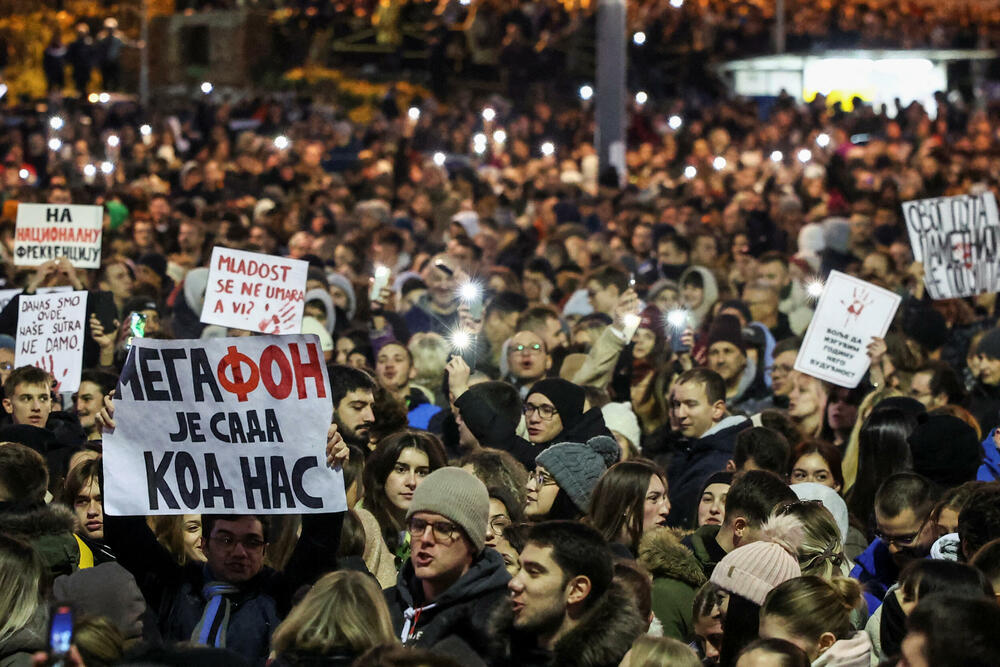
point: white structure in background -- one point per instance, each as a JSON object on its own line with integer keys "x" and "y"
{"x": 876, "y": 76}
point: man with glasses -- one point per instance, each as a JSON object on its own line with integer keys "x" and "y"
{"x": 451, "y": 584}
{"x": 903, "y": 533}
{"x": 785, "y": 352}
{"x": 233, "y": 600}
{"x": 528, "y": 360}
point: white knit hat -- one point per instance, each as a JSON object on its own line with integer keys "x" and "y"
{"x": 619, "y": 418}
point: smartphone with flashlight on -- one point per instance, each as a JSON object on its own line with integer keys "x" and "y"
{"x": 60, "y": 635}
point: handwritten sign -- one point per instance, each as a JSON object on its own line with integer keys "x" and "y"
{"x": 7, "y": 295}
{"x": 255, "y": 292}
{"x": 50, "y": 335}
{"x": 230, "y": 425}
{"x": 51, "y": 231}
{"x": 849, "y": 314}
{"x": 958, "y": 240}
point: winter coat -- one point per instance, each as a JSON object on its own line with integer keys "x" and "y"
{"x": 456, "y": 622}
{"x": 752, "y": 395}
{"x": 854, "y": 651}
{"x": 989, "y": 471}
{"x": 599, "y": 365}
{"x": 709, "y": 296}
{"x": 16, "y": 650}
{"x": 49, "y": 529}
{"x": 175, "y": 591}
{"x": 698, "y": 543}
{"x": 677, "y": 575}
{"x": 876, "y": 571}
{"x": 984, "y": 404}
{"x": 601, "y": 639}
{"x": 693, "y": 463}
{"x": 378, "y": 559}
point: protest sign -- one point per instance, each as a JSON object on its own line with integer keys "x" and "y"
{"x": 50, "y": 335}
{"x": 6, "y": 295}
{"x": 255, "y": 292}
{"x": 51, "y": 231}
{"x": 849, "y": 314}
{"x": 956, "y": 238}
{"x": 230, "y": 425}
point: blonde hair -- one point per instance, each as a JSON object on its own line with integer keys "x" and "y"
{"x": 650, "y": 651}
{"x": 20, "y": 574}
{"x": 811, "y": 606}
{"x": 99, "y": 641}
{"x": 849, "y": 465}
{"x": 820, "y": 546}
{"x": 344, "y": 610}
{"x": 429, "y": 352}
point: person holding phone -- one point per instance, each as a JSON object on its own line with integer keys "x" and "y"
{"x": 437, "y": 311}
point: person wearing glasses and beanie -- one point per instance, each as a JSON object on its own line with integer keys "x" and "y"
{"x": 565, "y": 476}
{"x": 446, "y": 592}
{"x": 554, "y": 412}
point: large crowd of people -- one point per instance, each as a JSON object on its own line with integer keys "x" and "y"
{"x": 569, "y": 424}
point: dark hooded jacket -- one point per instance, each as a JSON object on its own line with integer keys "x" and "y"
{"x": 601, "y": 639}
{"x": 49, "y": 529}
{"x": 695, "y": 461}
{"x": 705, "y": 547}
{"x": 456, "y": 622}
{"x": 492, "y": 430}
{"x": 677, "y": 575}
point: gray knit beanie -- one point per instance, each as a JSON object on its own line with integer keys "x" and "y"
{"x": 458, "y": 496}
{"x": 577, "y": 466}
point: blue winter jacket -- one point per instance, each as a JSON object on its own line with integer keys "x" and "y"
{"x": 876, "y": 571}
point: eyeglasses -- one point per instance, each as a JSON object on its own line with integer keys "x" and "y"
{"x": 444, "y": 531}
{"x": 499, "y": 523}
{"x": 535, "y": 348}
{"x": 228, "y": 542}
{"x": 544, "y": 411}
{"x": 543, "y": 478}
{"x": 899, "y": 540}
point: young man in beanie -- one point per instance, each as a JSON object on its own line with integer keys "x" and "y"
{"x": 698, "y": 412}
{"x": 565, "y": 606}
{"x": 446, "y": 591}
{"x": 984, "y": 398}
{"x": 745, "y": 387}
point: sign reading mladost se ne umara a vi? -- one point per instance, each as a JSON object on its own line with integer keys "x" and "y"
{"x": 849, "y": 314}
{"x": 231, "y": 425}
{"x": 958, "y": 241}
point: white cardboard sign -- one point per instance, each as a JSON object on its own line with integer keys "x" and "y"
{"x": 255, "y": 292}
{"x": 51, "y": 231}
{"x": 958, "y": 241}
{"x": 227, "y": 426}
{"x": 7, "y": 295}
{"x": 50, "y": 335}
{"x": 849, "y": 314}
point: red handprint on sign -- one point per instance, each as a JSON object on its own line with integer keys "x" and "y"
{"x": 859, "y": 299}
{"x": 279, "y": 321}
{"x": 48, "y": 364}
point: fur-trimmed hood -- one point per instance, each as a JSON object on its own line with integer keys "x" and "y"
{"x": 601, "y": 639}
{"x": 663, "y": 554}
{"x": 37, "y": 522}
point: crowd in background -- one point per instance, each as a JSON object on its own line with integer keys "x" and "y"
{"x": 600, "y": 454}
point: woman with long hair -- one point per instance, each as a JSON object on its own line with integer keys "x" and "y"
{"x": 21, "y": 610}
{"x": 396, "y": 468}
{"x": 807, "y": 404}
{"x": 820, "y": 548}
{"x": 815, "y": 615}
{"x": 343, "y": 615}
{"x": 816, "y": 461}
{"x": 629, "y": 500}
{"x": 883, "y": 451}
